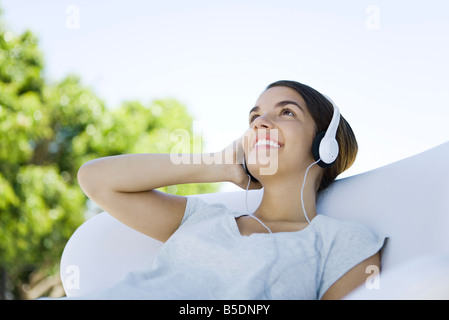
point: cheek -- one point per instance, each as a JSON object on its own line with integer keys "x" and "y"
{"x": 299, "y": 144}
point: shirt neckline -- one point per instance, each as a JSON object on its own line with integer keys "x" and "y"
{"x": 236, "y": 231}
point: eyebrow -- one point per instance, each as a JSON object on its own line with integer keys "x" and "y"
{"x": 280, "y": 104}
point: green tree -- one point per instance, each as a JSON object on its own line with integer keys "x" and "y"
{"x": 47, "y": 131}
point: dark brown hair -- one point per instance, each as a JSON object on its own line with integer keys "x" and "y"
{"x": 321, "y": 111}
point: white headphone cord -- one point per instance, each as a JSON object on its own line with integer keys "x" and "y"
{"x": 302, "y": 197}
{"x": 302, "y": 190}
{"x": 247, "y": 210}
{"x": 276, "y": 249}
{"x": 246, "y": 195}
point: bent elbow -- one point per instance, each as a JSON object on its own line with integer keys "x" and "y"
{"x": 86, "y": 178}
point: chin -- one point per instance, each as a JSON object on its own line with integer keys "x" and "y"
{"x": 263, "y": 163}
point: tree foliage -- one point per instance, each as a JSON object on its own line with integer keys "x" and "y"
{"x": 47, "y": 131}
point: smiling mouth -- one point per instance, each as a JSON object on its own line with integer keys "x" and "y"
{"x": 264, "y": 143}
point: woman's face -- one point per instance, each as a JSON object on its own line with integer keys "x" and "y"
{"x": 279, "y": 140}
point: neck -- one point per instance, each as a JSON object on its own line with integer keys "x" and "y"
{"x": 282, "y": 200}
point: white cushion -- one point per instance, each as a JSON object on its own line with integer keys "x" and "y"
{"x": 100, "y": 252}
{"x": 424, "y": 277}
{"x": 407, "y": 200}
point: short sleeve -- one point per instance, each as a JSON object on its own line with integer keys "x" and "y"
{"x": 345, "y": 245}
{"x": 192, "y": 206}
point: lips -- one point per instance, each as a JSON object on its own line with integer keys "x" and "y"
{"x": 267, "y": 141}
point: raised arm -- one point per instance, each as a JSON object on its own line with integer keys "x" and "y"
{"x": 124, "y": 187}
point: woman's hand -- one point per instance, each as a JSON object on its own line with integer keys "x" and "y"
{"x": 233, "y": 156}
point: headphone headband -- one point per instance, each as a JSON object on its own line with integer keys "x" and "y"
{"x": 331, "y": 131}
{"x": 325, "y": 145}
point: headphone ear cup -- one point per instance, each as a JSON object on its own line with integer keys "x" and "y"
{"x": 316, "y": 145}
{"x": 316, "y": 150}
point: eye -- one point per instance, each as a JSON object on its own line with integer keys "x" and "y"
{"x": 287, "y": 112}
{"x": 253, "y": 117}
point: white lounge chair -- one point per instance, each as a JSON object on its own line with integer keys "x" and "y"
{"x": 407, "y": 200}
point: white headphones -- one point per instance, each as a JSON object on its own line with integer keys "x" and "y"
{"x": 325, "y": 145}
{"x": 325, "y": 152}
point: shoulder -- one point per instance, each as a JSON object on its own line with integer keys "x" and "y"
{"x": 197, "y": 208}
{"x": 334, "y": 232}
{"x": 345, "y": 245}
{"x": 346, "y": 239}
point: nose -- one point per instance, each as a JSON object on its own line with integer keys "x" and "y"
{"x": 263, "y": 122}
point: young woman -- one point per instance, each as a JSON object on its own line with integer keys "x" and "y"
{"x": 211, "y": 252}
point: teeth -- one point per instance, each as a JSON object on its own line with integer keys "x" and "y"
{"x": 264, "y": 142}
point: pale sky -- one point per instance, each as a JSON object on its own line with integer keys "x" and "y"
{"x": 383, "y": 62}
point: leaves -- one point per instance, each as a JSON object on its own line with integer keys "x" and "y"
{"x": 47, "y": 131}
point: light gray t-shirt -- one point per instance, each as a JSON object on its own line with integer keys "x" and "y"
{"x": 208, "y": 258}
